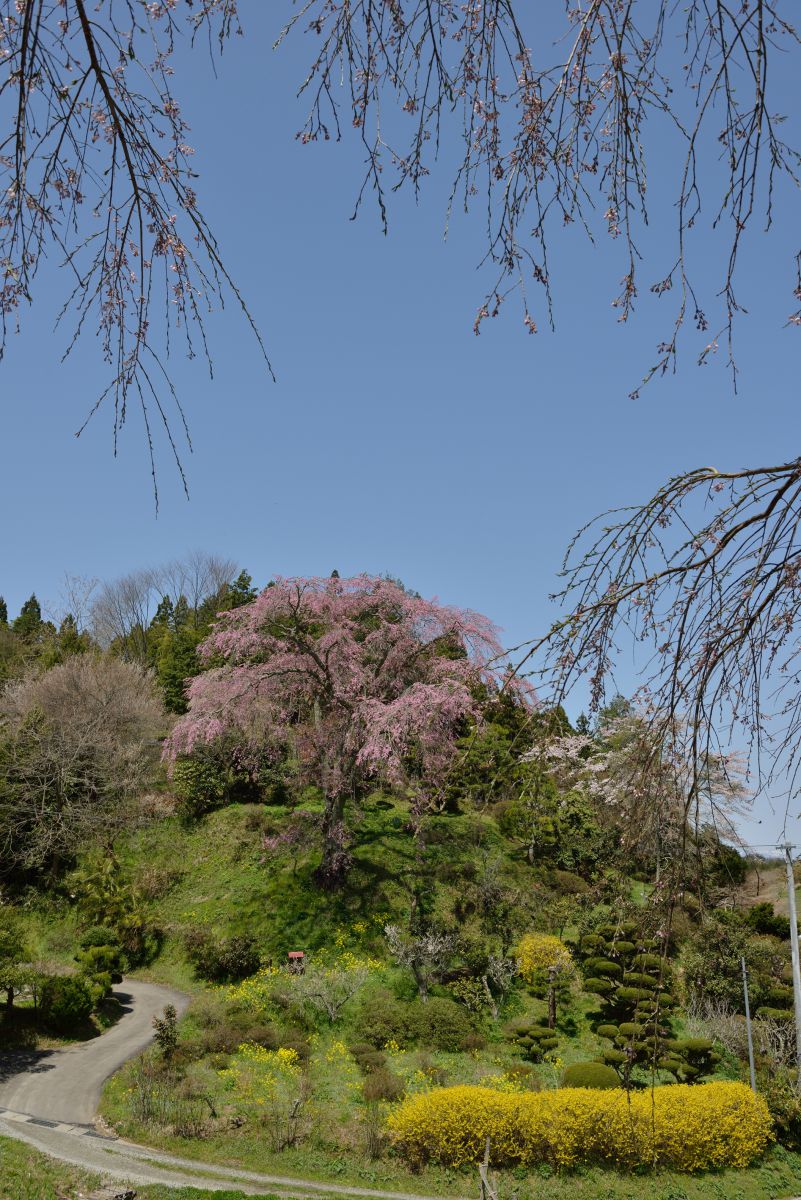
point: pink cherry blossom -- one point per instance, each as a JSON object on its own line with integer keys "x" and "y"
{"x": 354, "y": 680}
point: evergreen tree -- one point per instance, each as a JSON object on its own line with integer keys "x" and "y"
{"x": 176, "y": 663}
{"x": 181, "y": 613}
{"x": 3, "y": 612}
{"x": 630, "y": 972}
{"x": 70, "y": 639}
{"x": 164, "y": 612}
{"x": 241, "y": 591}
{"x": 29, "y": 621}
{"x": 583, "y": 725}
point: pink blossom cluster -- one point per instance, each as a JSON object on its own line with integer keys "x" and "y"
{"x": 350, "y": 677}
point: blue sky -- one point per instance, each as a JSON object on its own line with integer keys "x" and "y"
{"x": 394, "y": 439}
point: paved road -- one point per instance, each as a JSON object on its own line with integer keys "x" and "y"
{"x": 49, "y": 1099}
{"x": 65, "y": 1085}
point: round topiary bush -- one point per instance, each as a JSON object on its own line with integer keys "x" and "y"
{"x": 603, "y": 967}
{"x": 441, "y": 1024}
{"x": 767, "y": 1013}
{"x": 590, "y": 1075}
{"x": 534, "y": 1040}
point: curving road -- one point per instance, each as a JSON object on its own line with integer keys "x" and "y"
{"x": 49, "y": 1099}
{"x": 65, "y": 1085}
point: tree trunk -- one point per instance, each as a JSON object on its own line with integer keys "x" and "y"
{"x": 336, "y": 859}
{"x": 552, "y": 999}
{"x": 490, "y": 998}
{"x": 421, "y": 981}
{"x": 9, "y": 999}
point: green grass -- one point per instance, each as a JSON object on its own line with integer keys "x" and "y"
{"x": 214, "y": 873}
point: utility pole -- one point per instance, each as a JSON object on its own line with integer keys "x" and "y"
{"x": 748, "y": 1028}
{"x": 796, "y": 960}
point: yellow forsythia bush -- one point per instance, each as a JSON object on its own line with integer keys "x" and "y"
{"x": 537, "y": 953}
{"x": 689, "y": 1128}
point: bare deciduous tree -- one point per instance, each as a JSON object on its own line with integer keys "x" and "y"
{"x": 77, "y": 746}
{"x": 198, "y": 577}
{"x": 425, "y": 954}
{"x": 123, "y": 608}
{"x": 75, "y": 600}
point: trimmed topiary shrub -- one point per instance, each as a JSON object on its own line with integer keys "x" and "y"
{"x": 590, "y": 1075}
{"x": 440, "y": 1024}
{"x": 621, "y": 966}
{"x": 774, "y": 1014}
{"x": 535, "y": 1040}
{"x": 689, "y": 1059}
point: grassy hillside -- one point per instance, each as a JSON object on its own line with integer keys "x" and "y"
{"x": 215, "y": 873}
{"x": 27, "y": 1175}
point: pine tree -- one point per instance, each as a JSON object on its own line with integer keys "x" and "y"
{"x": 241, "y": 591}
{"x": 631, "y": 974}
{"x": 70, "y": 639}
{"x": 180, "y": 616}
{"x": 3, "y": 612}
{"x": 164, "y": 612}
{"x": 29, "y": 621}
{"x": 176, "y": 663}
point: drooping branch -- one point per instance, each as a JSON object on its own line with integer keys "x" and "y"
{"x": 557, "y": 135}
{"x": 96, "y": 164}
{"x": 705, "y": 578}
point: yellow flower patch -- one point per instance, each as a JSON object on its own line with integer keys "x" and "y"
{"x": 689, "y": 1128}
